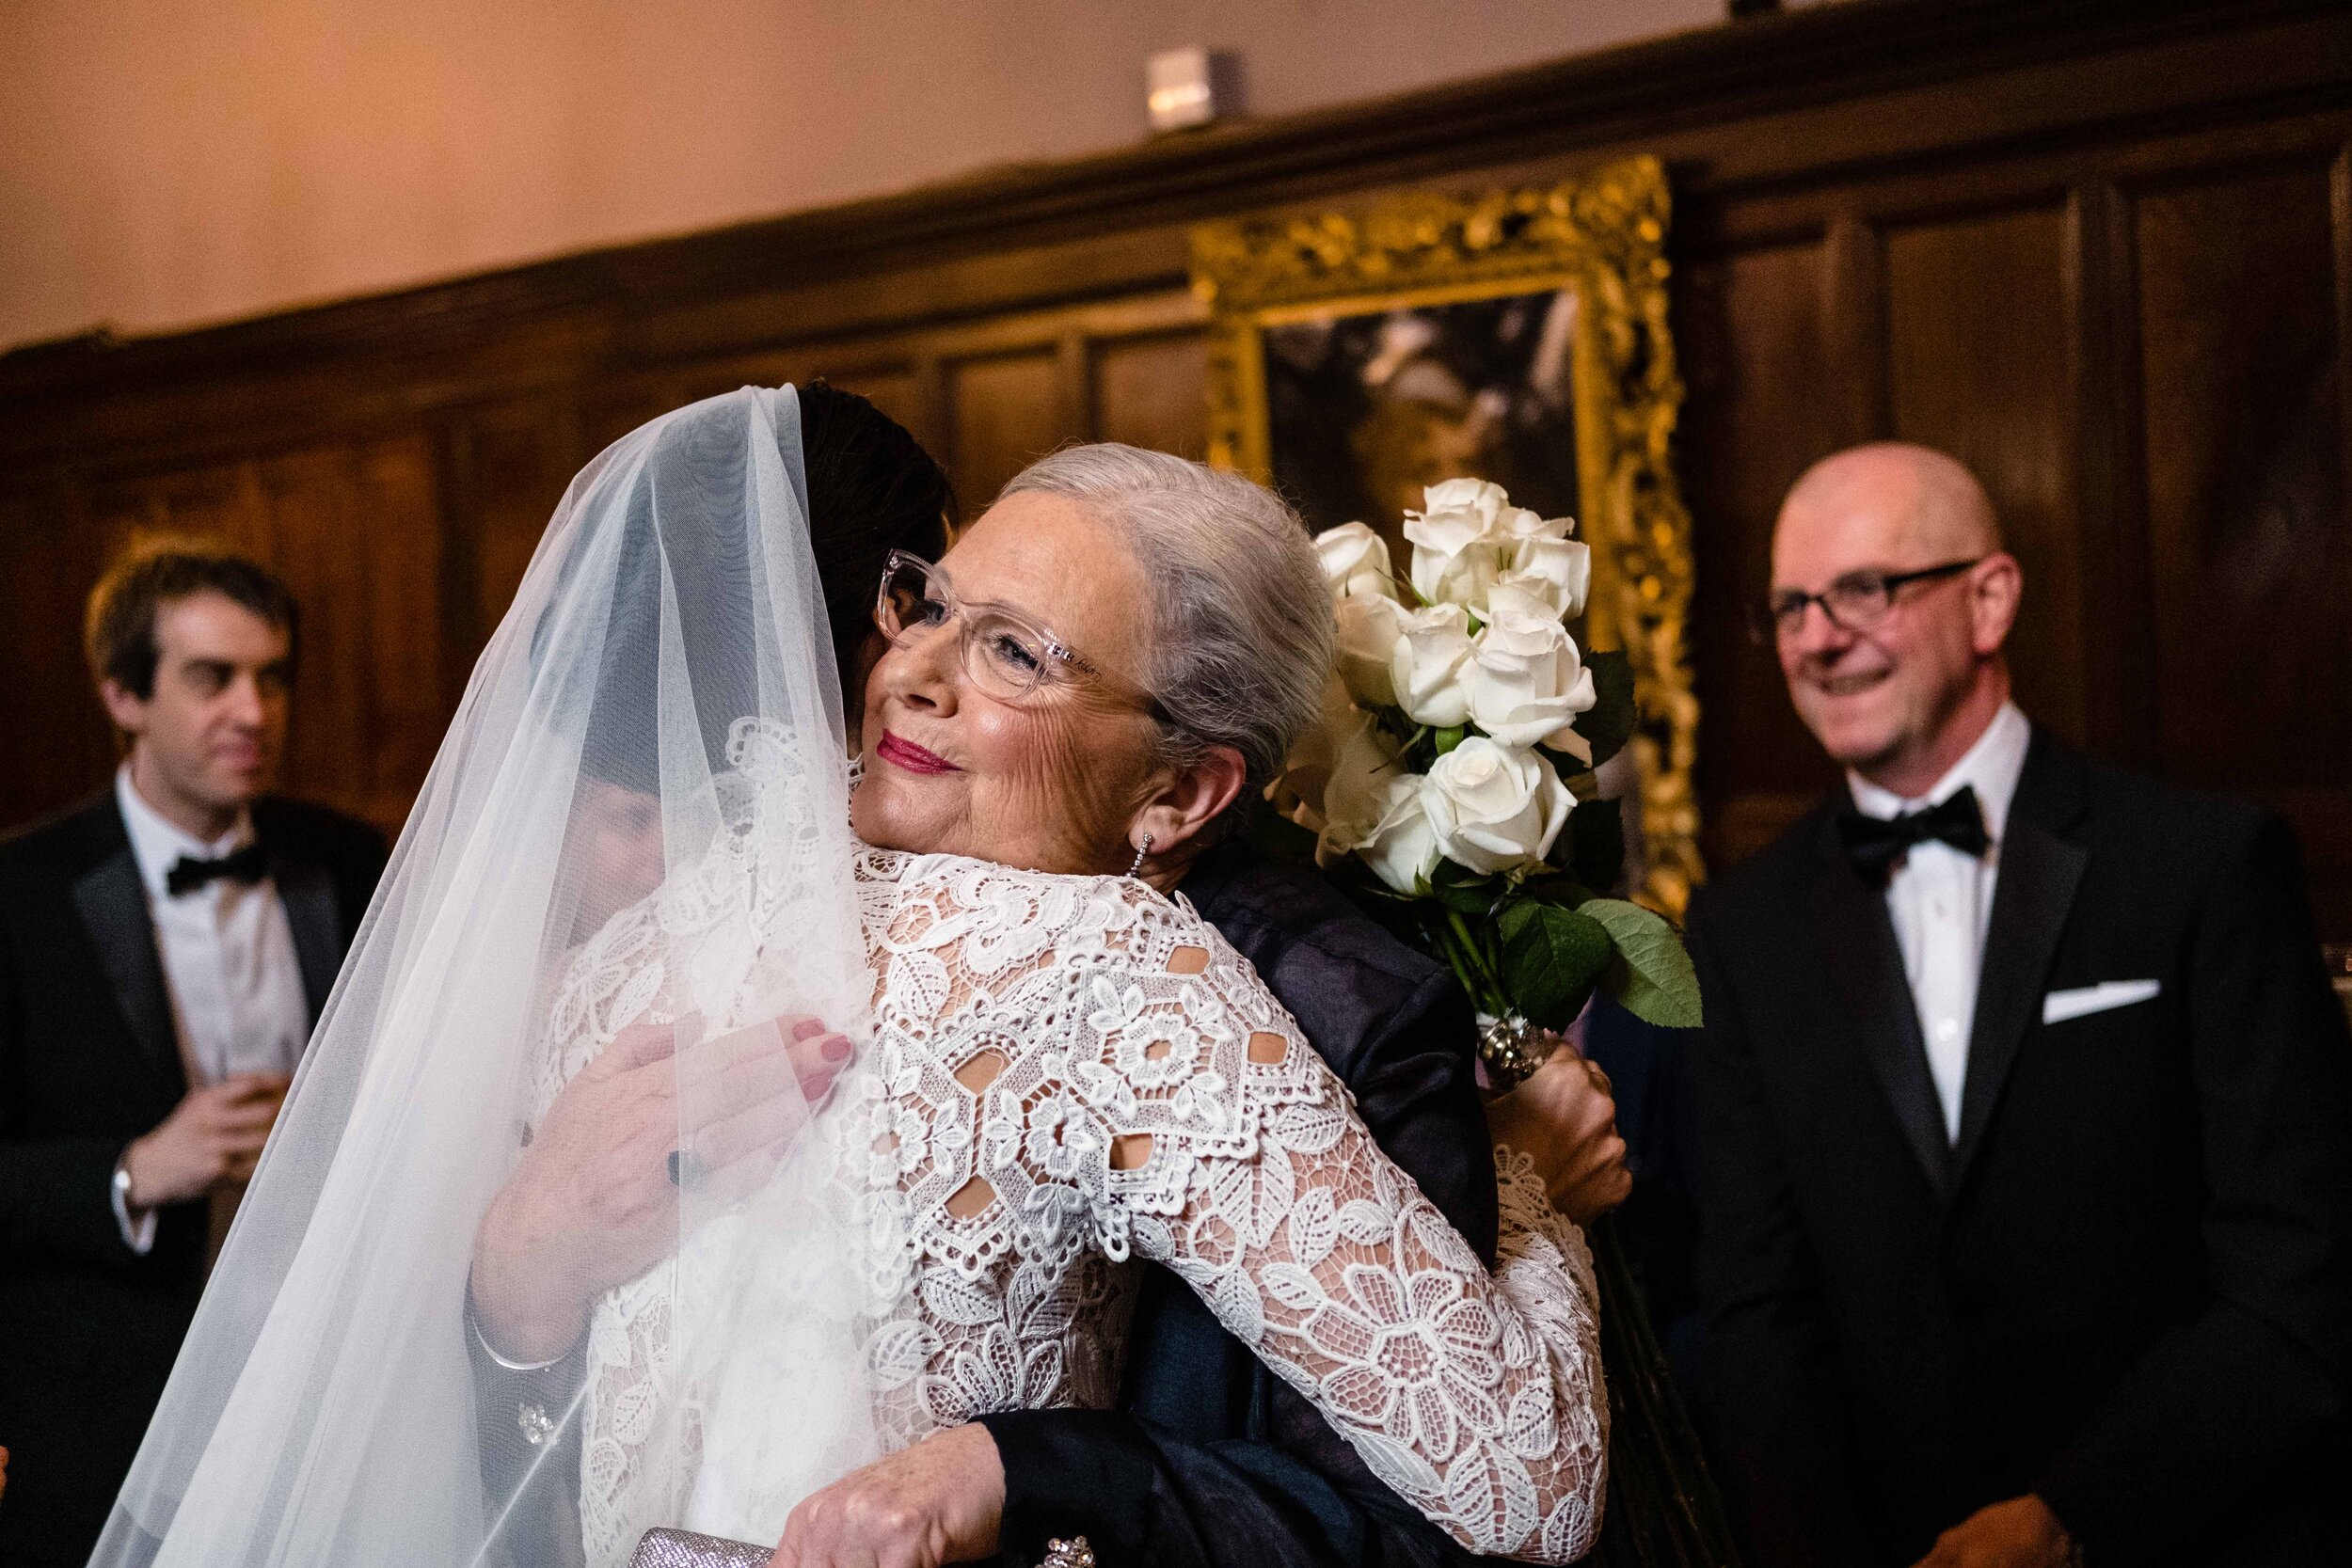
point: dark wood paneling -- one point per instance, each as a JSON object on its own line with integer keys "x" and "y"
{"x": 1004, "y": 412}
{"x": 2250, "y": 557}
{"x": 1754, "y": 325}
{"x": 56, "y": 743}
{"x": 1152, "y": 392}
{"x": 1978, "y": 342}
{"x": 2244, "y": 446}
{"x": 2100, "y": 249}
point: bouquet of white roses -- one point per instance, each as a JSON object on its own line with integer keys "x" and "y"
{"x": 1451, "y": 781}
{"x": 1455, "y": 763}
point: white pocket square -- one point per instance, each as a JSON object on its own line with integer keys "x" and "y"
{"x": 2059, "y": 1005}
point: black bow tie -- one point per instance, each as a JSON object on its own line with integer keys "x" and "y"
{"x": 188, "y": 872}
{"x": 1874, "y": 843}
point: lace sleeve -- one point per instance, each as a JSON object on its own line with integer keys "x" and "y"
{"x": 1238, "y": 1160}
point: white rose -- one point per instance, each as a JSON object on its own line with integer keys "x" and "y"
{"x": 1353, "y": 796}
{"x": 1560, "y": 571}
{"x": 1296, "y": 793}
{"x": 1369, "y": 628}
{"x": 1401, "y": 848}
{"x": 1453, "y": 558}
{"x": 1525, "y": 680}
{"x": 1517, "y": 522}
{"x": 1355, "y": 561}
{"x": 1426, "y": 668}
{"x": 1493, "y": 807}
{"x": 1481, "y": 496}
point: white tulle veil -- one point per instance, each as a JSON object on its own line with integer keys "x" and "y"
{"x": 668, "y": 647}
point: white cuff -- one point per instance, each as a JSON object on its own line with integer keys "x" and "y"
{"x": 137, "y": 1234}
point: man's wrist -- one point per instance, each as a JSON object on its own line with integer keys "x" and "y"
{"x": 135, "y": 1221}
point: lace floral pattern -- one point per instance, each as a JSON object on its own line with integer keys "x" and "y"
{"x": 1067, "y": 1072}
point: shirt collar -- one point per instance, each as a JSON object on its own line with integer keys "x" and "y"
{"x": 158, "y": 843}
{"x": 1992, "y": 767}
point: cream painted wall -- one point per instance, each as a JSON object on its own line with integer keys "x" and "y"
{"x": 166, "y": 163}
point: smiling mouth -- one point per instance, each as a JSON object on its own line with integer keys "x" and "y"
{"x": 1848, "y": 686}
{"x": 906, "y": 755}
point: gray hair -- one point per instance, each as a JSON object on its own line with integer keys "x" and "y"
{"x": 1241, "y": 619}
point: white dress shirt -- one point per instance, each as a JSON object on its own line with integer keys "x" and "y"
{"x": 237, "y": 1000}
{"x": 1941, "y": 899}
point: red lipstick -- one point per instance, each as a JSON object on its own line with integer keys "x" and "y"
{"x": 906, "y": 755}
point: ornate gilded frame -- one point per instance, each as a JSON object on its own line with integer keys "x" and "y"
{"x": 1602, "y": 235}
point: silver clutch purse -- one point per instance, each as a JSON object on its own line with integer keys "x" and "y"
{"x": 679, "y": 1548}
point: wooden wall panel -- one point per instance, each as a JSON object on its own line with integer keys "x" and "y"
{"x": 53, "y": 736}
{"x": 1754, "y": 324}
{"x": 2244, "y": 441}
{"x": 2239, "y": 284}
{"x": 1154, "y": 391}
{"x": 1979, "y": 342}
{"x": 1005, "y": 411}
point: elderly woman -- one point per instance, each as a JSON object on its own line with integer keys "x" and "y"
{"x": 1066, "y": 1067}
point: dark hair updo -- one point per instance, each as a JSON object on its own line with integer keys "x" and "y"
{"x": 872, "y": 489}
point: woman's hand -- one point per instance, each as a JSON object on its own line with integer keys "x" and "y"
{"x": 1564, "y": 1117}
{"x": 593, "y": 1203}
{"x": 940, "y": 1502}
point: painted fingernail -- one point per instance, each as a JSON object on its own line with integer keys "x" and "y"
{"x": 809, "y": 1028}
{"x": 837, "y": 1049}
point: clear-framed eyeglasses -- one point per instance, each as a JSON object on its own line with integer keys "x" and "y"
{"x": 1857, "y": 602}
{"x": 1005, "y": 653}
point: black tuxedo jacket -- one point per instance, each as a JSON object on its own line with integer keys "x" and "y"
{"x": 2125, "y": 1288}
{"x": 89, "y": 1061}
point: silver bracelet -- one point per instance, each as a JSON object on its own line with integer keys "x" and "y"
{"x": 1072, "y": 1553}
{"x": 473, "y": 1326}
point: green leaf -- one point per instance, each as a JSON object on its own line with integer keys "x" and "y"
{"x": 1551, "y": 959}
{"x": 1652, "y": 976}
{"x": 1608, "y": 725}
{"x": 1557, "y": 887}
{"x": 1595, "y": 843}
{"x": 1460, "y": 888}
{"x": 1450, "y": 738}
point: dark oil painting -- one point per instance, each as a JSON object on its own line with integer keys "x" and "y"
{"x": 1365, "y": 410}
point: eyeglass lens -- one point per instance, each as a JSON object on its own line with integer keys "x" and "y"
{"x": 1000, "y": 654}
{"x": 1857, "y": 603}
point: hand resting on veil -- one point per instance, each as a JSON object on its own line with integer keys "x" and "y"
{"x": 591, "y": 1204}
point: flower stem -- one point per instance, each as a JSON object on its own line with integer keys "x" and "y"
{"x": 1469, "y": 965}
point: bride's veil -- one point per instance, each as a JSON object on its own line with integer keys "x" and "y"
{"x": 639, "y": 812}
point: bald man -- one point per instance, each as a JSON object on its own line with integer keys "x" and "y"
{"x": 2025, "y": 1108}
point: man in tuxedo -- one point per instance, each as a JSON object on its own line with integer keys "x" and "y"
{"x": 2023, "y": 1107}
{"x": 165, "y": 950}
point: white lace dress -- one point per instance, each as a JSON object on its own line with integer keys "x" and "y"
{"x": 1067, "y": 1072}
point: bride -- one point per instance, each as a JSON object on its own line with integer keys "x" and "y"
{"x": 639, "y": 850}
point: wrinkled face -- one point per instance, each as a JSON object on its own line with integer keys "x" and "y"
{"x": 213, "y": 730}
{"x": 1049, "y": 782}
{"x": 1872, "y": 697}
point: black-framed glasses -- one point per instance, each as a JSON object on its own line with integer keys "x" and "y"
{"x": 1857, "y": 602}
{"x": 1005, "y": 654}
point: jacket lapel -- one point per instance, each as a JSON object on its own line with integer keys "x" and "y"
{"x": 2040, "y": 872}
{"x": 1858, "y": 945}
{"x": 308, "y": 893}
{"x": 112, "y": 903}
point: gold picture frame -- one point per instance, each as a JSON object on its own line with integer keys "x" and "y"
{"x": 1598, "y": 245}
